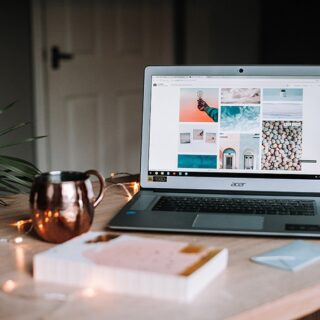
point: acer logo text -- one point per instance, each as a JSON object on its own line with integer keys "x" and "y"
{"x": 237, "y": 184}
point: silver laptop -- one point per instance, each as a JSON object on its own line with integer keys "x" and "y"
{"x": 229, "y": 150}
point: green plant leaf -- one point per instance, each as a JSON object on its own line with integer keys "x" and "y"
{"x": 2, "y": 110}
{"x": 15, "y": 179}
{"x": 16, "y": 159}
{"x": 9, "y": 187}
{"x": 12, "y": 188}
{"x": 19, "y": 165}
{"x": 16, "y": 175}
{"x": 17, "y": 126}
{"x": 21, "y": 142}
{"x": 8, "y": 168}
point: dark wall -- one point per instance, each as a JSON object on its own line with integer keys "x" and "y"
{"x": 290, "y": 32}
{"x": 247, "y": 32}
{"x": 222, "y": 32}
{"x": 16, "y": 74}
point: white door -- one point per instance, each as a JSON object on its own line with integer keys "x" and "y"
{"x": 95, "y": 99}
{"x": 249, "y": 160}
{"x": 229, "y": 157}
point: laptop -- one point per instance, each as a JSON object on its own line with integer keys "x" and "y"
{"x": 229, "y": 150}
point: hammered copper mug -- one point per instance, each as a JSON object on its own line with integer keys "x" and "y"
{"x": 63, "y": 202}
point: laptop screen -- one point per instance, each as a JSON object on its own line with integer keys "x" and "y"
{"x": 231, "y": 126}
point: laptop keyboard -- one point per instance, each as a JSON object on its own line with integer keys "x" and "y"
{"x": 236, "y": 205}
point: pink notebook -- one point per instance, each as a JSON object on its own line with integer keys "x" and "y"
{"x": 132, "y": 265}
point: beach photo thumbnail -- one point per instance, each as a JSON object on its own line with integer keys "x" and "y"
{"x": 196, "y": 161}
{"x": 191, "y": 110}
{"x": 282, "y": 111}
{"x": 240, "y": 95}
{"x": 240, "y": 118}
{"x": 281, "y": 145}
{"x": 283, "y": 94}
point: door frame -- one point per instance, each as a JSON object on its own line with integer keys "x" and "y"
{"x": 40, "y": 57}
{"x": 40, "y": 87}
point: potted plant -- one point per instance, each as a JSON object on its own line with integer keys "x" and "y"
{"x": 16, "y": 175}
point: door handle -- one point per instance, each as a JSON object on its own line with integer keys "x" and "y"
{"x": 57, "y": 56}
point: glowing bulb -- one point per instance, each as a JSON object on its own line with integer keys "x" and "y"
{"x": 200, "y": 94}
{"x": 136, "y": 187}
{"x": 19, "y": 224}
{"x": 88, "y": 292}
{"x": 9, "y": 286}
{"x": 18, "y": 240}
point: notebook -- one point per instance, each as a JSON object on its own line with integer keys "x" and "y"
{"x": 292, "y": 257}
{"x": 229, "y": 149}
{"x": 133, "y": 265}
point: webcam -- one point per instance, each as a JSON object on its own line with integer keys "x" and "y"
{"x": 240, "y": 70}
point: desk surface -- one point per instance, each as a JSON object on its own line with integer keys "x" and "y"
{"x": 245, "y": 290}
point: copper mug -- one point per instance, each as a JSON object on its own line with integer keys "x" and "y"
{"x": 63, "y": 202}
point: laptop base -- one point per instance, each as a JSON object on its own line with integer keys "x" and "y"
{"x": 138, "y": 215}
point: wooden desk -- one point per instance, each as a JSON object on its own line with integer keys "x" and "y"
{"x": 244, "y": 291}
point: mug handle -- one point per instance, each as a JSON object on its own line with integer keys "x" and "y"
{"x": 102, "y": 185}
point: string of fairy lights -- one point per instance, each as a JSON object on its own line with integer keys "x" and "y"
{"x": 25, "y": 226}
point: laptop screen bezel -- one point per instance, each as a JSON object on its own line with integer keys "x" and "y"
{"x": 233, "y": 182}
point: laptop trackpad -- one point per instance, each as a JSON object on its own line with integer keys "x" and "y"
{"x": 228, "y": 222}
